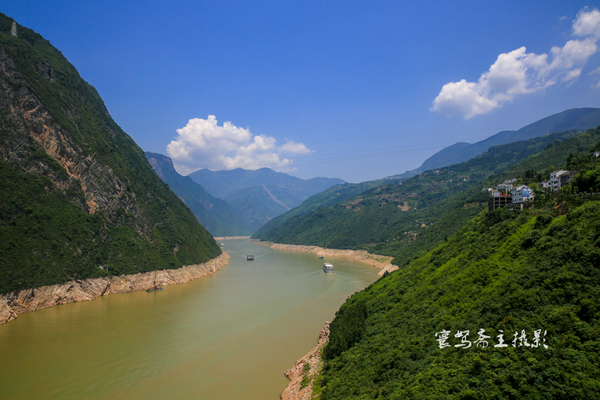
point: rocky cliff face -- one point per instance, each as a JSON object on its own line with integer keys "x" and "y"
{"x": 303, "y": 374}
{"x": 14, "y": 303}
{"x": 78, "y": 198}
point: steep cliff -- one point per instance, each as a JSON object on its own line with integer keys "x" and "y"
{"x": 78, "y": 198}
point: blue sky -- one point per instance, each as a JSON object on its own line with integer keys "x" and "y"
{"x": 350, "y": 89}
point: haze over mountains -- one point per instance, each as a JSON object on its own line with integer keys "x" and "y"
{"x": 237, "y": 202}
{"x": 576, "y": 118}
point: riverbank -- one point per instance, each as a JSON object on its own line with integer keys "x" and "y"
{"x": 375, "y": 260}
{"x": 14, "y": 303}
{"x": 306, "y": 369}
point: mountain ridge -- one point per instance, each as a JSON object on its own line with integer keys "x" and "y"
{"x": 79, "y": 198}
{"x": 575, "y": 118}
{"x": 260, "y": 195}
{"x": 216, "y": 215}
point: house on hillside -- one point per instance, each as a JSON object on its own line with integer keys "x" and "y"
{"x": 498, "y": 199}
{"x": 506, "y": 185}
{"x": 558, "y": 179}
{"x": 522, "y": 194}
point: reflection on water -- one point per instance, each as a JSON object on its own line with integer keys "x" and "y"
{"x": 230, "y": 335}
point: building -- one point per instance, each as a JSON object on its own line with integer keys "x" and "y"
{"x": 498, "y": 199}
{"x": 559, "y": 179}
{"x": 522, "y": 194}
{"x": 13, "y": 29}
{"x": 507, "y": 184}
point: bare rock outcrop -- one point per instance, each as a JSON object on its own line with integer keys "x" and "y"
{"x": 14, "y": 303}
{"x": 306, "y": 369}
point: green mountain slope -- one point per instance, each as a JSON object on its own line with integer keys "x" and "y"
{"x": 330, "y": 197}
{"x": 76, "y": 192}
{"x": 388, "y": 219}
{"x": 505, "y": 272}
{"x": 216, "y": 215}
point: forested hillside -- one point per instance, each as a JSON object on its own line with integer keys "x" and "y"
{"x": 78, "y": 198}
{"x": 506, "y": 307}
{"x": 504, "y": 273}
{"x": 389, "y": 218}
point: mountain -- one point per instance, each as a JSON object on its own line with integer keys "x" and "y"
{"x": 506, "y": 308}
{"x": 329, "y": 197}
{"x": 577, "y": 118}
{"x": 76, "y": 192}
{"x": 216, "y": 215}
{"x": 262, "y": 194}
{"x": 388, "y": 219}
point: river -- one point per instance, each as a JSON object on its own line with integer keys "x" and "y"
{"x": 230, "y": 335}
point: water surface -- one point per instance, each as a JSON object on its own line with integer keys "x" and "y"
{"x": 230, "y": 335}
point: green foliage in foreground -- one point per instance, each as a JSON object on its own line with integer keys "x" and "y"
{"x": 506, "y": 270}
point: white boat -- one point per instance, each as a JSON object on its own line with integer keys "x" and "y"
{"x": 328, "y": 268}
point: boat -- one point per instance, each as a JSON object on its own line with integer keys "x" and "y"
{"x": 154, "y": 289}
{"x": 250, "y": 257}
{"x": 321, "y": 257}
{"x": 328, "y": 268}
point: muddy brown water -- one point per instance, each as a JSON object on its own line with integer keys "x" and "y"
{"x": 230, "y": 335}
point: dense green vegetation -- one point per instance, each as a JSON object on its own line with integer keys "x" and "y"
{"x": 327, "y": 198}
{"x": 389, "y": 218}
{"x": 505, "y": 271}
{"x": 532, "y": 276}
{"x": 49, "y": 232}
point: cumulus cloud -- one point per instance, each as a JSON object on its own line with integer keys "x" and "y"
{"x": 518, "y": 72}
{"x": 202, "y": 143}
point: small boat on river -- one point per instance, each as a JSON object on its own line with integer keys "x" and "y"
{"x": 250, "y": 257}
{"x": 154, "y": 289}
{"x": 328, "y": 268}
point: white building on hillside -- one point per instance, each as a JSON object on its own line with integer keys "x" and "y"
{"x": 522, "y": 194}
{"x": 559, "y": 179}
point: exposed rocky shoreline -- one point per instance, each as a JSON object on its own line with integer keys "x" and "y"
{"x": 14, "y": 303}
{"x": 306, "y": 369}
{"x": 375, "y": 260}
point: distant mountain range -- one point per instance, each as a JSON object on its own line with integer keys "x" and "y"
{"x": 237, "y": 202}
{"x": 260, "y": 195}
{"x": 216, "y": 215}
{"x": 576, "y": 118}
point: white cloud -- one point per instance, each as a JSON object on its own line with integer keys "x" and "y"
{"x": 202, "y": 143}
{"x": 519, "y": 72}
{"x": 587, "y": 23}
